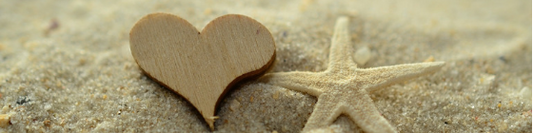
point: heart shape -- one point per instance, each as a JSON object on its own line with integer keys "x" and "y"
{"x": 201, "y": 66}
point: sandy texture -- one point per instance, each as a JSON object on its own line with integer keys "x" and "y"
{"x": 81, "y": 76}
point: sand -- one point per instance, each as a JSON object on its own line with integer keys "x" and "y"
{"x": 65, "y": 66}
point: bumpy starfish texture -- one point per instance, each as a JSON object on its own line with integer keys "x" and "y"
{"x": 342, "y": 87}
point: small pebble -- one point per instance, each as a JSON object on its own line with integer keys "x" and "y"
{"x": 5, "y": 108}
{"x": 430, "y": 59}
{"x": 22, "y": 100}
{"x": 4, "y": 120}
{"x": 275, "y": 95}
{"x": 362, "y": 55}
{"x": 47, "y": 123}
{"x": 486, "y": 79}
{"x": 47, "y": 107}
{"x": 54, "y": 24}
{"x": 235, "y": 104}
{"x": 526, "y": 93}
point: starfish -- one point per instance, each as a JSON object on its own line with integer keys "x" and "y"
{"x": 343, "y": 88}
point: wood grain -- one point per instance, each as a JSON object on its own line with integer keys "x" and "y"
{"x": 201, "y": 66}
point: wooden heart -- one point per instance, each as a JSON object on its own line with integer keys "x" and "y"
{"x": 201, "y": 66}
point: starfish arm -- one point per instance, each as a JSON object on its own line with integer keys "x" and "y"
{"x": 306, "y": 82}
{"x": 379, "y": 77}
{"x": 326, "y": 111}
{"x": 340, "y": 51}
{"x": 365, "y": 114}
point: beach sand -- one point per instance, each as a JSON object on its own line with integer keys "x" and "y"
{"x": 66, "y": 65}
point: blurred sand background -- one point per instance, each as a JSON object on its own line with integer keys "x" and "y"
{"x": 79, "y": 75}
